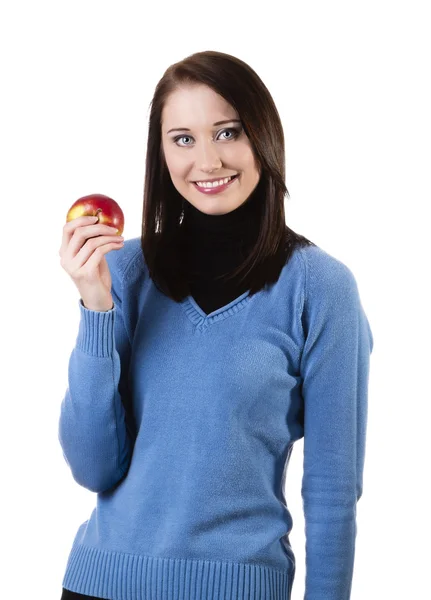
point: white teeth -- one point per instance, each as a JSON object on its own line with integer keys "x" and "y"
{"x": 214, "y": 183}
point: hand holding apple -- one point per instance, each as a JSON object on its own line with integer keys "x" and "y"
{"x": 84, "y": 245}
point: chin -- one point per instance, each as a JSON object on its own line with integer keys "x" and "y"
{"x": 218, "y": 207}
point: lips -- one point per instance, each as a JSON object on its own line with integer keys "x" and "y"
{"x": 218, "y": 188}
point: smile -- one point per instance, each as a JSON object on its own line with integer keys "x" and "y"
{"x": 215, "y": 186}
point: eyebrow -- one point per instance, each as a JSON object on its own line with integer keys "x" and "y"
{"x": 214, "y": 124}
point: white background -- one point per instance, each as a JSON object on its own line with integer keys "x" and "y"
{"x": 351, "y": 81}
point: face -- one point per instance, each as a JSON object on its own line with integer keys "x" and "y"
{"x": 199, "y": 150}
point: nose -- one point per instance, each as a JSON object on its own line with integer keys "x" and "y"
{"x": 207, "y": 159}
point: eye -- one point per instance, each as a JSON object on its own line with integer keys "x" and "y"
{"x": 234, "y": 131}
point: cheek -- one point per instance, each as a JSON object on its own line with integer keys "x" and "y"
{"x": 246, "y": 157}
{"x": 177, "y": 166}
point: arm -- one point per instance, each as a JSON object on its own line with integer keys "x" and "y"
{"x": 92, "y": 426}
{"x": 334, "y": 370}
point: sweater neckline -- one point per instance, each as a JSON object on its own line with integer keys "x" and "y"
{"x": 202, "y": 320}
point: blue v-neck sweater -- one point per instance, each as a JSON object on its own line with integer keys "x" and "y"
{"x": 184, "y": 422}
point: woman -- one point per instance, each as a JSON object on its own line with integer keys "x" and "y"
{"x": 206, "y": 348}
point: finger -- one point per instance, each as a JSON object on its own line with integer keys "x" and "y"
{"x": 93, "y": 262}
{"x": 91, "y": 247}
{"x": 83, "y": 234}
{"x": 69, "y": 229}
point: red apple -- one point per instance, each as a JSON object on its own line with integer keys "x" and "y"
{"x": 98, "y": 205}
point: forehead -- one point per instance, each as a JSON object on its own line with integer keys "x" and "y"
{"x": 196, "y": 105}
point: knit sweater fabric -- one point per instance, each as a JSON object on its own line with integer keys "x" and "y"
{"x": 183, "y": 422}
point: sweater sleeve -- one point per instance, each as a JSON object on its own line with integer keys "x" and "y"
{"x": 334, "y": 371}
{"x": 92, "y": 429}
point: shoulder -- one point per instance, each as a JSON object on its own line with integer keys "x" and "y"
{"x": 331, "y": 295}
{"x": 127, "y": 264}
{"x": 326, "y": 276}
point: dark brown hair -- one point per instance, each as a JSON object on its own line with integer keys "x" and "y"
{"x": 163, "y": 211}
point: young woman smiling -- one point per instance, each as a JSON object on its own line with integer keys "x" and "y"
{"x": 230, "y": 337}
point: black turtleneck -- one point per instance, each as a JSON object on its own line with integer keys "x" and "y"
{"x": 215, "y": 245}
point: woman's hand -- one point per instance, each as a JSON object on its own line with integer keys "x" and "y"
{"x": 82, "y": 253}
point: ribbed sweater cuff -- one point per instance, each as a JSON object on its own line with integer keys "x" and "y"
{"x": 96, "y": 331}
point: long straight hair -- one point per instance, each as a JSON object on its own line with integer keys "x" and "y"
{"x": 163, "y": 207}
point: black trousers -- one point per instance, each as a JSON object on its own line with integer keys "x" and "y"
{"x": 68, "y": 595}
